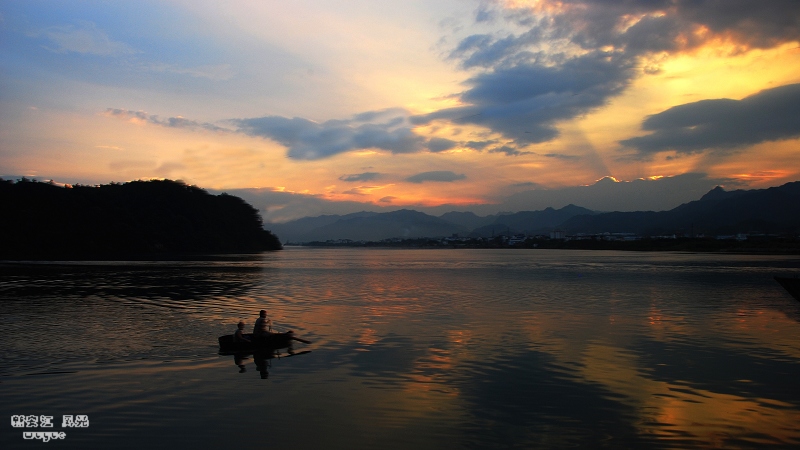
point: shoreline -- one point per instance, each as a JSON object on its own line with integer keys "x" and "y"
{"x": 783, "y": 246}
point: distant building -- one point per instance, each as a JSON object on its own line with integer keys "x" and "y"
{"x": 517, "y": 239}
{"x": 730, "y": 237}
{"x": 558, "y": 234}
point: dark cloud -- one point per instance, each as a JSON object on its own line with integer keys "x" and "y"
{"x": 437, "y": 175}
{"x": 440, "y": 144}
{"x": 394, "y": 116}
{"x": 366, "y": 176}
{"x": 756, "y": 24}
{"x": 479, "y": 145}
{"x": 561, "y": 156}
{"x": 525, "y": 101}
{"x": 668, "y": 25}
{"x": 769, "y": 115}
{"x": 575, "y": 57}
{"x": 509, "y": 151}
{"x": 527, "y": 184}
{"x": 485, "y": 50}
{"x": 306, "y": 139}
{"x": 170, "y": 122}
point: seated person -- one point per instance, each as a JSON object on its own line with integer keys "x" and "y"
{"x": 263, "y": 326}
{"x": 239, "y": 336}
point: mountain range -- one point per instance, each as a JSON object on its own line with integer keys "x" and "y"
{"x": 772, "y": 210}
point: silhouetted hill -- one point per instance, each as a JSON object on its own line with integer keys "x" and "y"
{"x": 295, "y": 230}
{"x": 717, "y": 212}
{"x": 410, "y": 224}
{"x": 377, "y": 226}
{"x": 43, "y": 220}
{"x": 770, "y": 210}
{"x": 530, "y": 222}
{"x": 721, "y": 194}
{"x": 467, "y": 219}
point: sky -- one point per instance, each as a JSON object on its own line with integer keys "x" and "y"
{"x": 328, "y": 107}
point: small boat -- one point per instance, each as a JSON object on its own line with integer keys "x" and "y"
{"x": 273, "y": 341}
{"x": 790, "y": 284}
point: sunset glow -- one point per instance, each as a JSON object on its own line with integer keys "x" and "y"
{"x": 383, "y": 106}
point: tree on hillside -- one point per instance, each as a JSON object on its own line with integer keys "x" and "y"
{"x": 139, "y": 217}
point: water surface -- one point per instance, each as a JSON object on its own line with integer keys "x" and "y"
{"x": 411, "y": 349}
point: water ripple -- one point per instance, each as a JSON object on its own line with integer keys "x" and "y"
{"x": 470, "y": 349}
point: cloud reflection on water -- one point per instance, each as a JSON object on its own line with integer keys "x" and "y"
{"x": 442, "y": 348}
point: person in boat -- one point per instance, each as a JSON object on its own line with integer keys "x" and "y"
{"x": 263, "y": 326}
{"x": 239, "y": 336}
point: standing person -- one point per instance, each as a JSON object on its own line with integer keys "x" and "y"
{"x": 263, "y": 326}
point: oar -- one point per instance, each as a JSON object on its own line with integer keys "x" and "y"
{"x": 298, "y": 339}
{"x": 280, "y": 356}
{"x": 292, "y": 336}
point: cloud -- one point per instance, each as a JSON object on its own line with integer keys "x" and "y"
{"x": 479, "y": 145}
{"x": 366, "y": 176}
{"x": 357, "y": 191}
{"x": 484, "y": 14}
{"x": 526, "y": 100}
{"x": 528, "y": 185}
{"x": 218, "y": 72}
{"x": 513, "y": 151}
{"x": 755, "y": 24}
{"x": 437, "y": 145}
{"x": 661, "y": 25}
{"x": 509, "y": 151}
{"x": 573, "y": 56}
{"x": 170, "y": 122}
{"x": 770, "y": 115}
{"x": 306, "y": 139}
{"x": 437, "y": 175}
{"x": 85, "y": 39}
{"x": 561, "y": 156}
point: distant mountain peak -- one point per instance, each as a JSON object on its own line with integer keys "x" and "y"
{"x": 718, "y": 190}
{"x": 766, "y": 209}
{"x": 718, "y": 193}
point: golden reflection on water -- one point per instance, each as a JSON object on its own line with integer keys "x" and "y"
{"x": 766, "y": 329}
{"x": 596, "y": 348}
{"x": 405, "y": 349}
{"x": 368, "y": 337}
{"x": 676, "y": 411}
{"x": 672, "y": 410}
